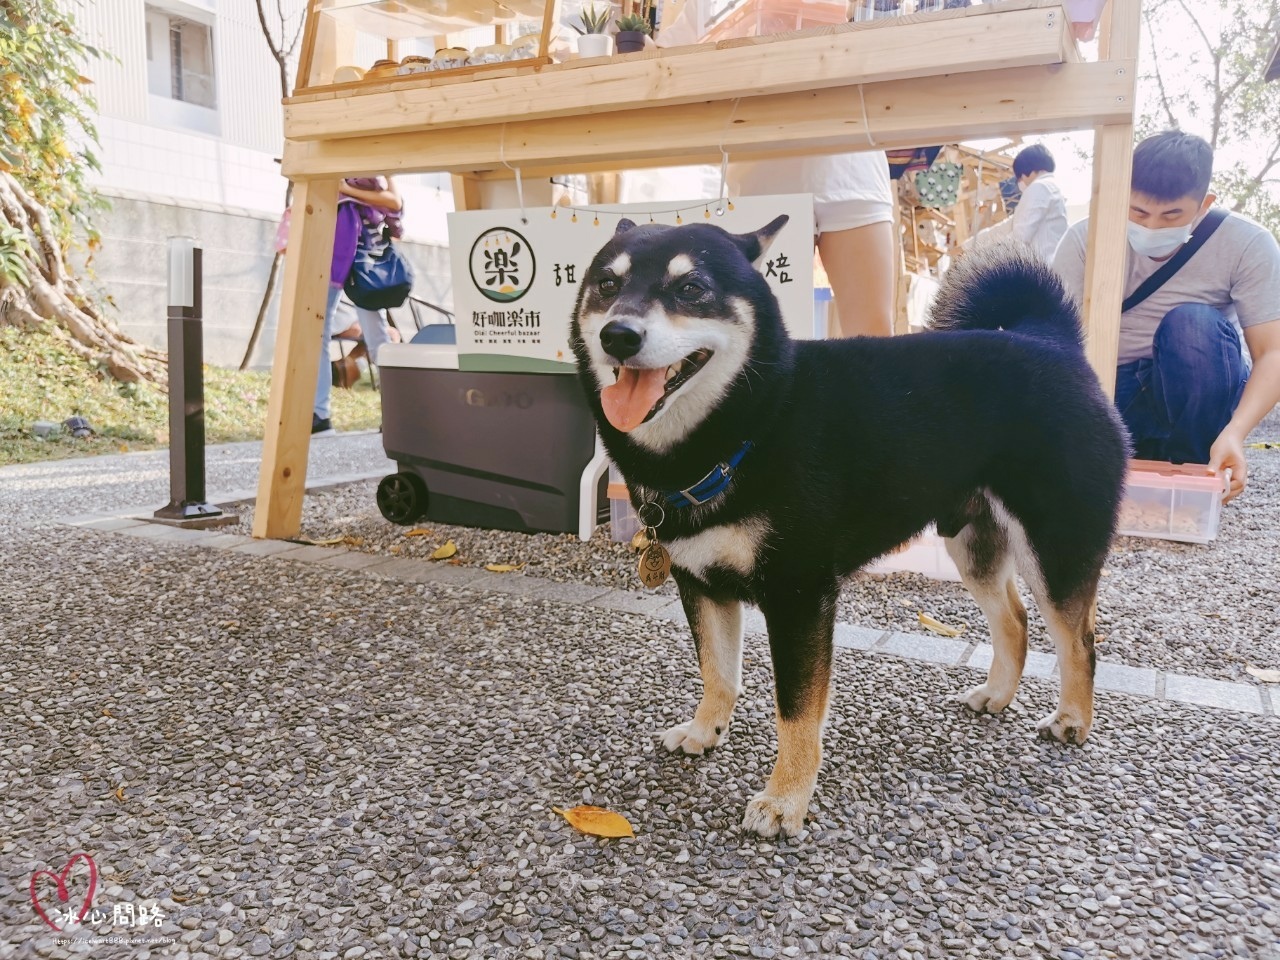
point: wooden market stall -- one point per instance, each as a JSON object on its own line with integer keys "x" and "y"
{"x": 1005, "y": 68}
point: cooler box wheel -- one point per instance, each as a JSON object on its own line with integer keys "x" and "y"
{"x": 402, "y": 498}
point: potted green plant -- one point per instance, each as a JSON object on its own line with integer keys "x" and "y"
{"x": 632, "y": 29}
{"x": 594, "y": 41}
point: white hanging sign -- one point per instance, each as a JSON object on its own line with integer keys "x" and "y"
{"x": 516, "y": 276}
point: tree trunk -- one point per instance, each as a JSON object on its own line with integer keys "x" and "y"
{"x": 55, "y": 300}
{"x": 268, "y": 293}
{"x": 262, "y": 311}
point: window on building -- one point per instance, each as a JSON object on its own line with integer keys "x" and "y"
{"x": 180, "y": 58}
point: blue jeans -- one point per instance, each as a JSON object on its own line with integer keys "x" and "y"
{"x": 374, "y": 331}
{"x": 1176, "y": 403}
{"x": 324, "y": 380}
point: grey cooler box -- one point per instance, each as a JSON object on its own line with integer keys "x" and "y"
{"x": 504, "y": 451}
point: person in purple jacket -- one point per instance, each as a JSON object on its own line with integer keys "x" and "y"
{"x": 373, "y": 200}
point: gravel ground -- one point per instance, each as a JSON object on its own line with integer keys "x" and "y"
{"x": 35, "y": 493}
{"x": 1208, "y": 610}
{"x": 321, "y": 763}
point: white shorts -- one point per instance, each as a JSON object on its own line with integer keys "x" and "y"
{"x": 837, "y": 215}
{"x": 850, "y": 190}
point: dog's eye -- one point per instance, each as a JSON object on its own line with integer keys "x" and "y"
{"x": 691, "y": 290}
{"x": 608, "y": 287}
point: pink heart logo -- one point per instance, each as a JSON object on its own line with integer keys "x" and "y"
{"x": 63, "y": 896}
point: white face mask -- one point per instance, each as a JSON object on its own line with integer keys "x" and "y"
{"x": 1159, "y": 242}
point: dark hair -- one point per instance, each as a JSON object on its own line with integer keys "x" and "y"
{"x": 1031, "y": 160}
{"x": 1172, "y": 165}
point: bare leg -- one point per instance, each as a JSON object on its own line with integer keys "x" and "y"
{"x": 717, "y": 635}
{"x": 862, "y": 265}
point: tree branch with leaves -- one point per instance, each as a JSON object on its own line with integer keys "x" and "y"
{"x": 46, "y": 202}
{"x": 1207, "y": 64}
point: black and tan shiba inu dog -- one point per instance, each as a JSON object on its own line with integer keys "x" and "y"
{"x": 783, "y": 466}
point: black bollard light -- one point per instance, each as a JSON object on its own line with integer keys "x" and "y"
{"x": 186, "y": 387}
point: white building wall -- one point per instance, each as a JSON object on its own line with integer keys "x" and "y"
{"x": 172, "y": 167}
{"x": 154, "y": 145}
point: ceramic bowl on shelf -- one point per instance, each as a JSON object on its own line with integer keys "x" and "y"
{"x": 347, "y": 74}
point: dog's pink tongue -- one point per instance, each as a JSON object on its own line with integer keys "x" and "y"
{"x": 627, "y": 402}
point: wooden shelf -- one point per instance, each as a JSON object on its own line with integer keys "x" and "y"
{"x": 1012, "y": 33}
{"x": 899, "y": 114}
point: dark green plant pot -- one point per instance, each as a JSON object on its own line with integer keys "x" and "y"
{"x": 630, "y": 41}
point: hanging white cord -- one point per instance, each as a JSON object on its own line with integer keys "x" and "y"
{"x": 866, "y": 124}
{"x": 723, "y": 194}
{"x": 502, "y": 148}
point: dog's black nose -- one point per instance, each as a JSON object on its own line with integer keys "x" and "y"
{"x": 621, "y": 340}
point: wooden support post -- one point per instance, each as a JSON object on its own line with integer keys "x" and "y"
{"x": 604, "y": 187}
{"x": 901, "y": 283}
{"x": 466, "y": 192}
{"x": 1107, "y": 256}
{"x": 1107, "y": 249}
{"x": 550, "y": 17}
{"x": 282, "y": 481}
{"x": 332, "y": 43}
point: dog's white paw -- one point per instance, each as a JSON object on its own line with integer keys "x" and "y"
{"x": 694, "y": 737}
{"x": 769, "y": 815}
{"x": 984, "y": 699}
{"x": 1065, "y": 726}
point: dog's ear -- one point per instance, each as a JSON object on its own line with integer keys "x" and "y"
{"x": 755, "y": 245}
{"x": 623, "y": 226}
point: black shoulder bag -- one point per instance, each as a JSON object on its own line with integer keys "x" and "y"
{"x": 1203, "y": 231}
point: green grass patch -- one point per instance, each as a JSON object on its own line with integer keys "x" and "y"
{"x": 41, "y": 379}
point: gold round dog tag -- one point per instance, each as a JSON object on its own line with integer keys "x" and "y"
{"x": 654, "y": 566}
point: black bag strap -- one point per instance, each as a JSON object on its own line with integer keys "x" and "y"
{"x": 1203, "y": 231}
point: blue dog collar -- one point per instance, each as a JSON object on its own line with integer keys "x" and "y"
{"x": 710, "y": 486}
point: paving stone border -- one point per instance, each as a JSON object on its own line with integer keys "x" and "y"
{"x": 922, "y": 648}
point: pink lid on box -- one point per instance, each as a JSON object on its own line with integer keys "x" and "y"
{"x": 1170, "y": 476}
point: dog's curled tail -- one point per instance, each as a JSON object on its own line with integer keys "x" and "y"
{"x": 1004, "y": 286}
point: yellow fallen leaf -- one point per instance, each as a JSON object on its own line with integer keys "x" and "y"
{"x": 503, "y": 567}
{"x": 329, "y": 542}
{"x": 351, "y": 541}
{"x": 445, "y": 552}
{"x": 597, "y": 821}
{"x": 120, "y": 794}
{"x": 455, "y": 562}
{"x": 1266, "y": 676}
{"x": 937, "y": 626}
{"x": 106, "y": 712}
{"x": 419, "y": 532}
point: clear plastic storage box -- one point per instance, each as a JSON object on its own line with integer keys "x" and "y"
{"x": 1172, "y": 502}
{"x": 623, "y": 522}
